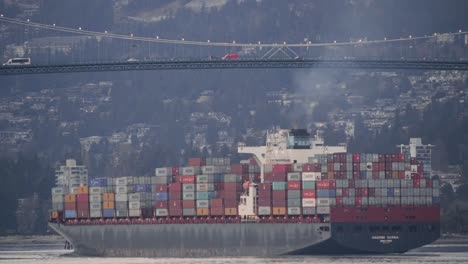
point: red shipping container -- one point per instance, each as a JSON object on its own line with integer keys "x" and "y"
{"x": 188, "y": 204}
{"x": 401, "y": 174}
{"x": 308, "y": 194}
{"x": 371, "y": 192}
{"x": 82, "y": 206}
{"x": 326, "y": 184}
{"x": 358, "y": 201}
{"x": 174, "y": 196}
{"x": 160, "y": 188}
{"x": 160, "y": 205}
{"x": 307, "y": 167}
{"x": 356, "y": 158}
{"x": 345, "y": 192}
{"x": 363, "y": 192}
{"x": 218, "y": 202}
{"x": 246, "y": 177}
{"x": 351, "y": 183}
{"x": 343, "y": 167}
{"x": 279, "y": 195}
{"x": 187, "y": 179}
{"x": 279, "y": 203}
{"x": 356, "y": 167}
{"x": 216, "y": 211}
{"x": 232, "y": 186}
{"x": 416, "y": 183}
{"x": 294, "y": 185}
{"x": 175, "y": 187}
{"x": 239, "y": 169}
{"x": 235, "y": 195}
{"x": 175, "y": 211}
{"x": 282, "y": 168}
{"x": 375, "y": 175}
{"x": 264, "y": 187}
{"x": 230, "y": 203}
{"x": 82, "y": 198}
{"x": 70, "y": 206}
{"x": 330, "y": 167}
{"x": 82, "y": 213}
{"x": 175, "y": 171}
{"x": 428, "y": 183}
{"x": 356, "y": 175}
{"x": 197, "y": 162}
{"x": 339, "y": 201}
{"x": 175, "y": 204}
{"x": 264, "y": 202}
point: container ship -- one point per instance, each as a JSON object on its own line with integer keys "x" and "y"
{"x": 293, "y": 196}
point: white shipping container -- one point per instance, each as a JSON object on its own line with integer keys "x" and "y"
{"x": 163, "y": 172}
{"x": 95, "y": 198}
{"x": 294, "y": 210}
{"x": 203, "y": 203}
{"x": 294, "y": 176}
{"x": 96, "y": 190}
{"x": 95, "y": 213}
{"x": 124, "y": 181}
{"x": 74, "y": 190}
{"x": 189, "y": 187}
{"x": 297, "y": 167}
{"x": 205, "y": 187}
{"x": 188, "y": 196}
{"x": 58, "y": 191}
{"x": 435, "y": 192}
{"x": 134, "y": 212}
{"x": 264, "y": 210}
{"x": 123, "y": 189}
{"x": 134, "y": 205}
{"x": 323, "y": 210}
{"x": 190, "y": 170}
{"x": 121, "y": 197}
{"x": 57, "y": 198}
{"x": 161, "y": 212}
{"x": 326, "y": 201}
{"x": 311, "y": 176}
{"x": 309, "y": 202}
{"x": 95, "y": 206}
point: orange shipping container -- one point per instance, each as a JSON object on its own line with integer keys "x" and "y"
{"x": 83, "y": 190}
{"x": 108, "y": 205}
{"x": 330, "y": 175}
{"x": 70, "y": 198}
{"x": 230, "y": 211}
{"x": 203, "y": 211}
{"x": 108, "y": 196}
{"x": 54, "y": 215}
{"x": 279, "y": 210}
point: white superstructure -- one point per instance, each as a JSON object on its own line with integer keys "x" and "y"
{"x": 285, "y": 146}
{"x": 71, "y": 176}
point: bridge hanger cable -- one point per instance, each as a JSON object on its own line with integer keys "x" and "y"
{"x": 131, "y": 37}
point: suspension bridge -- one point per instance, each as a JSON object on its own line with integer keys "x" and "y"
{"x": 266, "y": 55}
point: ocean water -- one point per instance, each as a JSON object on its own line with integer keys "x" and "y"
{"x": 55, "y": 254}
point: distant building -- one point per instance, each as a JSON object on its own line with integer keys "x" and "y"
{"x": 71, "y": 175}
{"x": 423, "y": 153}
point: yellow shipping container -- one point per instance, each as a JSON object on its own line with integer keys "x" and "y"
{"x": 70, "y": 198}
{"x": 230, "y": 211}
{"x": 279, "y": 210}
{"x": 108, "y": 196}
{"x": 82, "y": 190}
{"x": 394, "y": 174}
{"x": 203, "y": 211}
{"x": 331, "y": 175}
{"x": 108, "y": 205}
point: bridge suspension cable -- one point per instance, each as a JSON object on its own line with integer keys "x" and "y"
{"x": 259, "y": 44}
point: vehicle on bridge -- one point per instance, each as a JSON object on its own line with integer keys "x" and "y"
{"x": 17, "y": 62}
{"x": 231, "y": 56}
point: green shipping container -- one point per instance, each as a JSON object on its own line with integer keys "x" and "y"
{"x": 308, "y": 185}
{"x": 279, "y": 186}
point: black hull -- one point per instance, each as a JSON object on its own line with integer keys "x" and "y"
{"x": 248, "y": 239}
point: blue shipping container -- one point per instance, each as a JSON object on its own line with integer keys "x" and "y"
{"x": 142, "y": 188}
{"x": 435, "y": 200}
{"x": 107, "y": 213}
{"x": 390, "y": 192}
{"x": 162, "y": 196}
{"x": 70, "y": 214}
{"x": 98, "y": 182}
{"x": 326, "y": 193}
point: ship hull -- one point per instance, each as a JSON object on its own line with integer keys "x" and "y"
{"x": 263, "y": 240}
